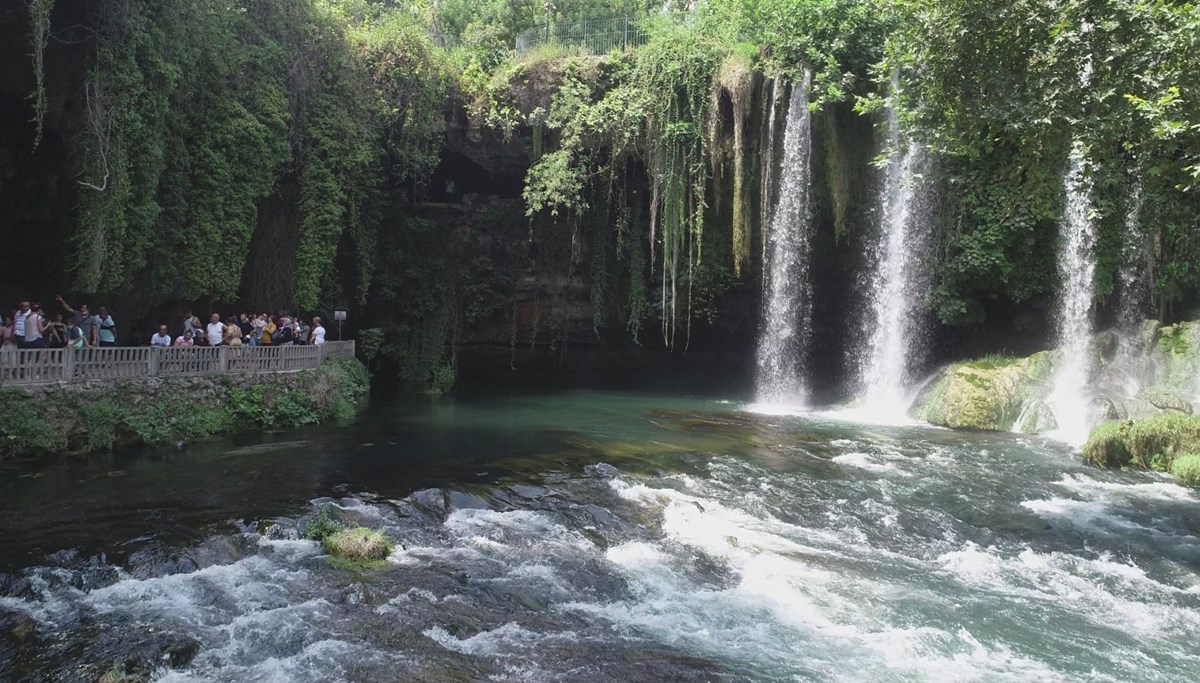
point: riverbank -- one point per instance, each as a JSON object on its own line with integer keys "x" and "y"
{"x": 96, "y": 415}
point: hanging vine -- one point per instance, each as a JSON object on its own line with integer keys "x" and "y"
{"x": 39, "y": 22}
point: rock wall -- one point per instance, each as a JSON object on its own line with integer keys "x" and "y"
{"x": 95, "y": 415}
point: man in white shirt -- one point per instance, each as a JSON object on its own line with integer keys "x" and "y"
{"x": 215, "y": 330}
{"x": 317, "y": 336}
{"x": 162, "y": 338}
{"x": 19, "y": 324}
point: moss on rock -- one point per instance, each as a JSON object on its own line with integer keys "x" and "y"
{"x": 358, "y": 544}
{"x": 985, "y": 394}
{"x": 1152, "y": 444}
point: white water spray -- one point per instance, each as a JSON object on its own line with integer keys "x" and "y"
{"x": 899, "y": 280}
{"x": 1069, "y": 398}
{"x": 786, "y": 325}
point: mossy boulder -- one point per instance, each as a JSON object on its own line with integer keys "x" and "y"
{"x": 359, "y": 544}
{"x": 986, "y": 394}
{"x": 1154, "y": 443}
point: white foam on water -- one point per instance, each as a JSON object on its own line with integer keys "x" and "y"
{"x": 1104, "y": 591}
{"x": 328, "y": 660}
{"x": 797, "y": 601}
{"x": 869, "y": 462}
{"x": 507, "y": 640}
{"x": 203, "y": 597}
{"x": 1166, "y": 490}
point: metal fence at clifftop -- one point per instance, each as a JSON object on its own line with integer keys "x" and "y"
{"x": 596, "y": 36}
{"x": 46, "y": 366}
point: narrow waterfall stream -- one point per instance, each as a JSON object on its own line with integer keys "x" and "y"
{"x": 1076, "y": 266}
{"x": 1133, "y": 277}
{"x": 898, "y": 280}
{"x": 787, "y": 297}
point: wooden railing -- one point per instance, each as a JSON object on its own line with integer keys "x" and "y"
{"x": 42, "y": 366}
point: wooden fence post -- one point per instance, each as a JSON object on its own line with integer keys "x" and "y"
{"x": 222, "y": 359}
{"x": 68, "y": 364}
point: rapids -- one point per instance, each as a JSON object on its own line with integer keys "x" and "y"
{"x": 603, "y": 536}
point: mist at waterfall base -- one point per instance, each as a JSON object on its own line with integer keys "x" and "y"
{"x": 606, "y": 536}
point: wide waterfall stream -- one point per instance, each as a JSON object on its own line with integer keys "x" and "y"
{"x": 899, "y": 281}
{"x": 602, "y": 536}
{"x": 787, "y": 306}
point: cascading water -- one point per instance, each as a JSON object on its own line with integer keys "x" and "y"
{"x": 1076, "y": 266}
{"x": 1132, "y": 276}
{"x": 788, "y": 306}
{"x": 898, "y": 281}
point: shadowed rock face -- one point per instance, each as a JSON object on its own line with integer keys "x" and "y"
{"x": 1136, "y": 373}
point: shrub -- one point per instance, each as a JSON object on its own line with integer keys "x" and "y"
{"x": 22, "y": 430}
{"x": 321, "y": 525}
{"x": 102, "y": 421}
{"x": 1151, "y": 444}
{"x": 1105, "y": 446}
{"x": 359, "y": 544}
{"x": 1186, "y": 469}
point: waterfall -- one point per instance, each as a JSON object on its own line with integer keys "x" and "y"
{"x": 1069, "y": 399}
{"x": 787, "y": 308}
{"x": 898, "y": 281}
{"x": 1133, "y": 278}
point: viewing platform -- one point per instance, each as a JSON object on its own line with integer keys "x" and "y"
{"x": 47, "y": 366}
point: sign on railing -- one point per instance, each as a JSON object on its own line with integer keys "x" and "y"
{"x": 42, "y": 366}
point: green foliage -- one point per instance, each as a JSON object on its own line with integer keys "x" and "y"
{"x": 169, "y": 419}
{"x": 22, "y": 429}
{"x": 443, "y": 380}
{"x": 1152, "y": 444}
{"x": 103, "y": 422}
{"x": 1186, "y": 469}
{"x": 321, "y": 525}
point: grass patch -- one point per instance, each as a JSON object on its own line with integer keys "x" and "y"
{"x": 359, "y": 545}
{"x": 1186, "y": 469}
{"x": 1149, "y": 444}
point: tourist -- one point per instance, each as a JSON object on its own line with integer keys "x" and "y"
{"x": 190, "y": 325}
{"x": 215, "y": 330}
{"x": 184, "y": 340}
{"x": 107, "y": 335}
{"x": 318, "y": 332}
{"x": 56, "y": 332}
{"x": 162, "y": 339}
{"x": 75, "y": 338}
{"x": 302, "y": 331}
{"x": 84, "y": 320}
{"x": 268, "y": 330}
{"x": 34, "y": 327}
{"x": 6, "y": 335}
{"x": 285, "y": 335}
{"x": 245, "y": 327}
{"x": 19, "y": 324}
{"x": 233, "y": 333}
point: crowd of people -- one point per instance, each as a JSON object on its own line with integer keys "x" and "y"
{"x": 242, "y": 330}
{"x": 30, "y": 327}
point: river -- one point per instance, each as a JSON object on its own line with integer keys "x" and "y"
{"x": 572, "y": 535}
